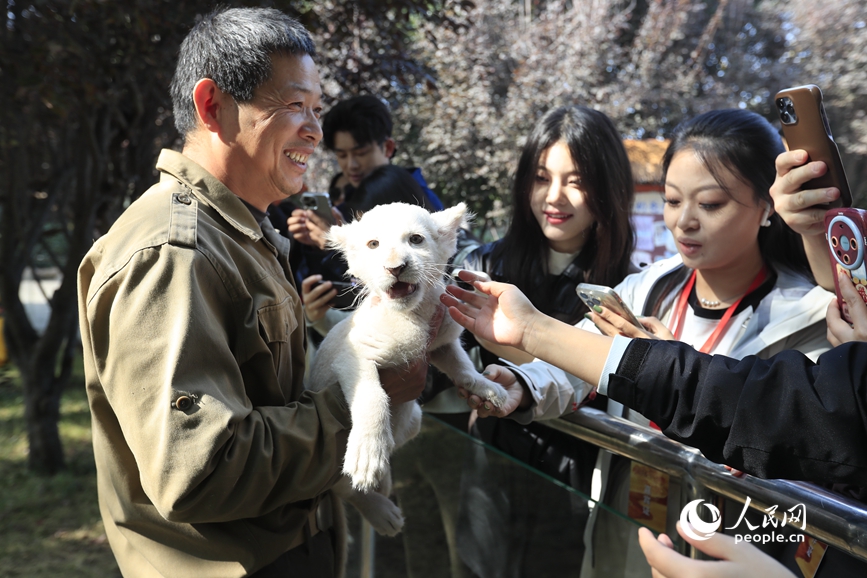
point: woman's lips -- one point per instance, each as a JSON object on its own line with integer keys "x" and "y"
{"x": 688, "y": 247}
{"x": 557, "y": 218}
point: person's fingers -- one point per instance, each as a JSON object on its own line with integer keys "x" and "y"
{"x": 604, "y": 326}
{"x": 308, "y": 283}
{"x": 656, "y": 327}
{"x": 718, "y": 545}
{"x": 790, "y": 159}
{"x": 662, "y": 558}
{"x": 318, "y": 301}
{"x": 838, "y": 328}
{"x": 499, "y": 374}
{"x": 665, "y": 541}
{"x": 314, "y": 221}
{"x": 857, "y": 308}
{"x": 461, "y": 319}
{"x": 469, "y": 297}
{"x": 467, "y": 311}
{"x": 797, "y": 176}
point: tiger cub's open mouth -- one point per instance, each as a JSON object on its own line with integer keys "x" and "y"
{"x": 401, "y": 289}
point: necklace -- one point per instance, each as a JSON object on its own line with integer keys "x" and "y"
{"x": 708, "y": 304}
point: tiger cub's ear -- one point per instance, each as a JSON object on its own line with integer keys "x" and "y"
{"x": 449, "y": 221}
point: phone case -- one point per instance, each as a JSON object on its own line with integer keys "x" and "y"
{"x": 606, "y": 297}
{"x": 806, "y": 127}
{"x": 845, "y": 231}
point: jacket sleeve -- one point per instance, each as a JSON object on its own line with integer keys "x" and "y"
{"x": 161, "y": 329}
{"x": 784, "y": 417}
{"x": 555, "y": 392}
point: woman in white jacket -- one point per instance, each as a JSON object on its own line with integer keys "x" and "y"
{"x": 740, "y": 285}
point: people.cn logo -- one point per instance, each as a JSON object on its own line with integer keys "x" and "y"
{"x": 694, "y": 526}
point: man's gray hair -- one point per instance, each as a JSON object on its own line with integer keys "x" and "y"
{"x": 233, "y": 48}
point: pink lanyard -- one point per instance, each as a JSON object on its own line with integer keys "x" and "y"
{"x": 679, "y": 314}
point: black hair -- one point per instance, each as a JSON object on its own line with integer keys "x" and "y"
{"x": 386, "y": 184}
{"x": 606, "y": 176}
{"x": 233, "y": 48}
{"x": 746, "y": 145}
{"x": 365, "y": 117}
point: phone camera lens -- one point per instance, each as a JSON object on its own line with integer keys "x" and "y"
{"x": 583, "y": 295}
{"x": 595, "y": 301}
{"x": 834, "y": 241}
{"x": 854, "y": 244}
{"x": 846, "y": 259}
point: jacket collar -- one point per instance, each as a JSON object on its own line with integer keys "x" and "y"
{"x": 206, "y": 187}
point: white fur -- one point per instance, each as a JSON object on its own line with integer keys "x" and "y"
{"x": 389, "y": 240}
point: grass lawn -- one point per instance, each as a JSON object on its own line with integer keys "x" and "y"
{"x": 49, "y": 526}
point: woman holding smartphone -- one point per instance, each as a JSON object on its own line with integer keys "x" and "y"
{"x": 740, "y": 284}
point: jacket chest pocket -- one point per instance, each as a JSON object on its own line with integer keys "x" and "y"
{"x": 277, "y": 323}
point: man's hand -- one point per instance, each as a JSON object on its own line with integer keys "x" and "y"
{"x": 405, "y": 384}
{"x": 308, "y": 228}
{"x": 500, "y": 313}
{"x": 316, "y": 298}
{"x": 518, "y": 396}
{"x": 839, "y": 331}
{"x": 735, "y": 560}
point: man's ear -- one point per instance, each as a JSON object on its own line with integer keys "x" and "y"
{"x": 210, "y": 104}
{"x": 388, "y": 147}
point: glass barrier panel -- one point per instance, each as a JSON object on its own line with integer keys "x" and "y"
{"x": 473, "y": 511}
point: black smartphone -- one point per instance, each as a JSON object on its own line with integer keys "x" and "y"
{"x": 805, "y": 126}
{"x": 346, "y": 294}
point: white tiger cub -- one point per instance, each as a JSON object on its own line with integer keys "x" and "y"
{"x": 399, "y": 253}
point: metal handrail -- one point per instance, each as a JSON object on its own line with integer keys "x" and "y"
{"x": 831, "y": 518}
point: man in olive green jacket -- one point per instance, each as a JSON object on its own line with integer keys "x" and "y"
{"x": 211, "y": 459}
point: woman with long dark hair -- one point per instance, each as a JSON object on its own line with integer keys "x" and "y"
{"x": 571, "y": 206}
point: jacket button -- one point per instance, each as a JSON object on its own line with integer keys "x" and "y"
{"x": 183, "y": 198}
{"x": 183, "y": 403}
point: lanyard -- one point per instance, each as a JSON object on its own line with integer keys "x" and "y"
{"x": 679, "y": 314}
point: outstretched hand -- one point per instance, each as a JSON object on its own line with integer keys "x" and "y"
{"x": 498, "y": 312}
{"x": 735, "y": 560}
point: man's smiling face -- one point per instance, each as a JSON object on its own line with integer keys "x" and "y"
{"x": 277, "y": 131}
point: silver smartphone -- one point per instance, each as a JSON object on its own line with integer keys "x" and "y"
{"x": 319, "y": 203}
{"x": 606, "y": 297}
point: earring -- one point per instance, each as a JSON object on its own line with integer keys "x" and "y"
{"x": 766, "y": 221}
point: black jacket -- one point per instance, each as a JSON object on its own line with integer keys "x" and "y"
{"x": 782, "y": 417}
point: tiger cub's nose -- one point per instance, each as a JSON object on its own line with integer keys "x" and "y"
{"x": 396, "y": 271}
